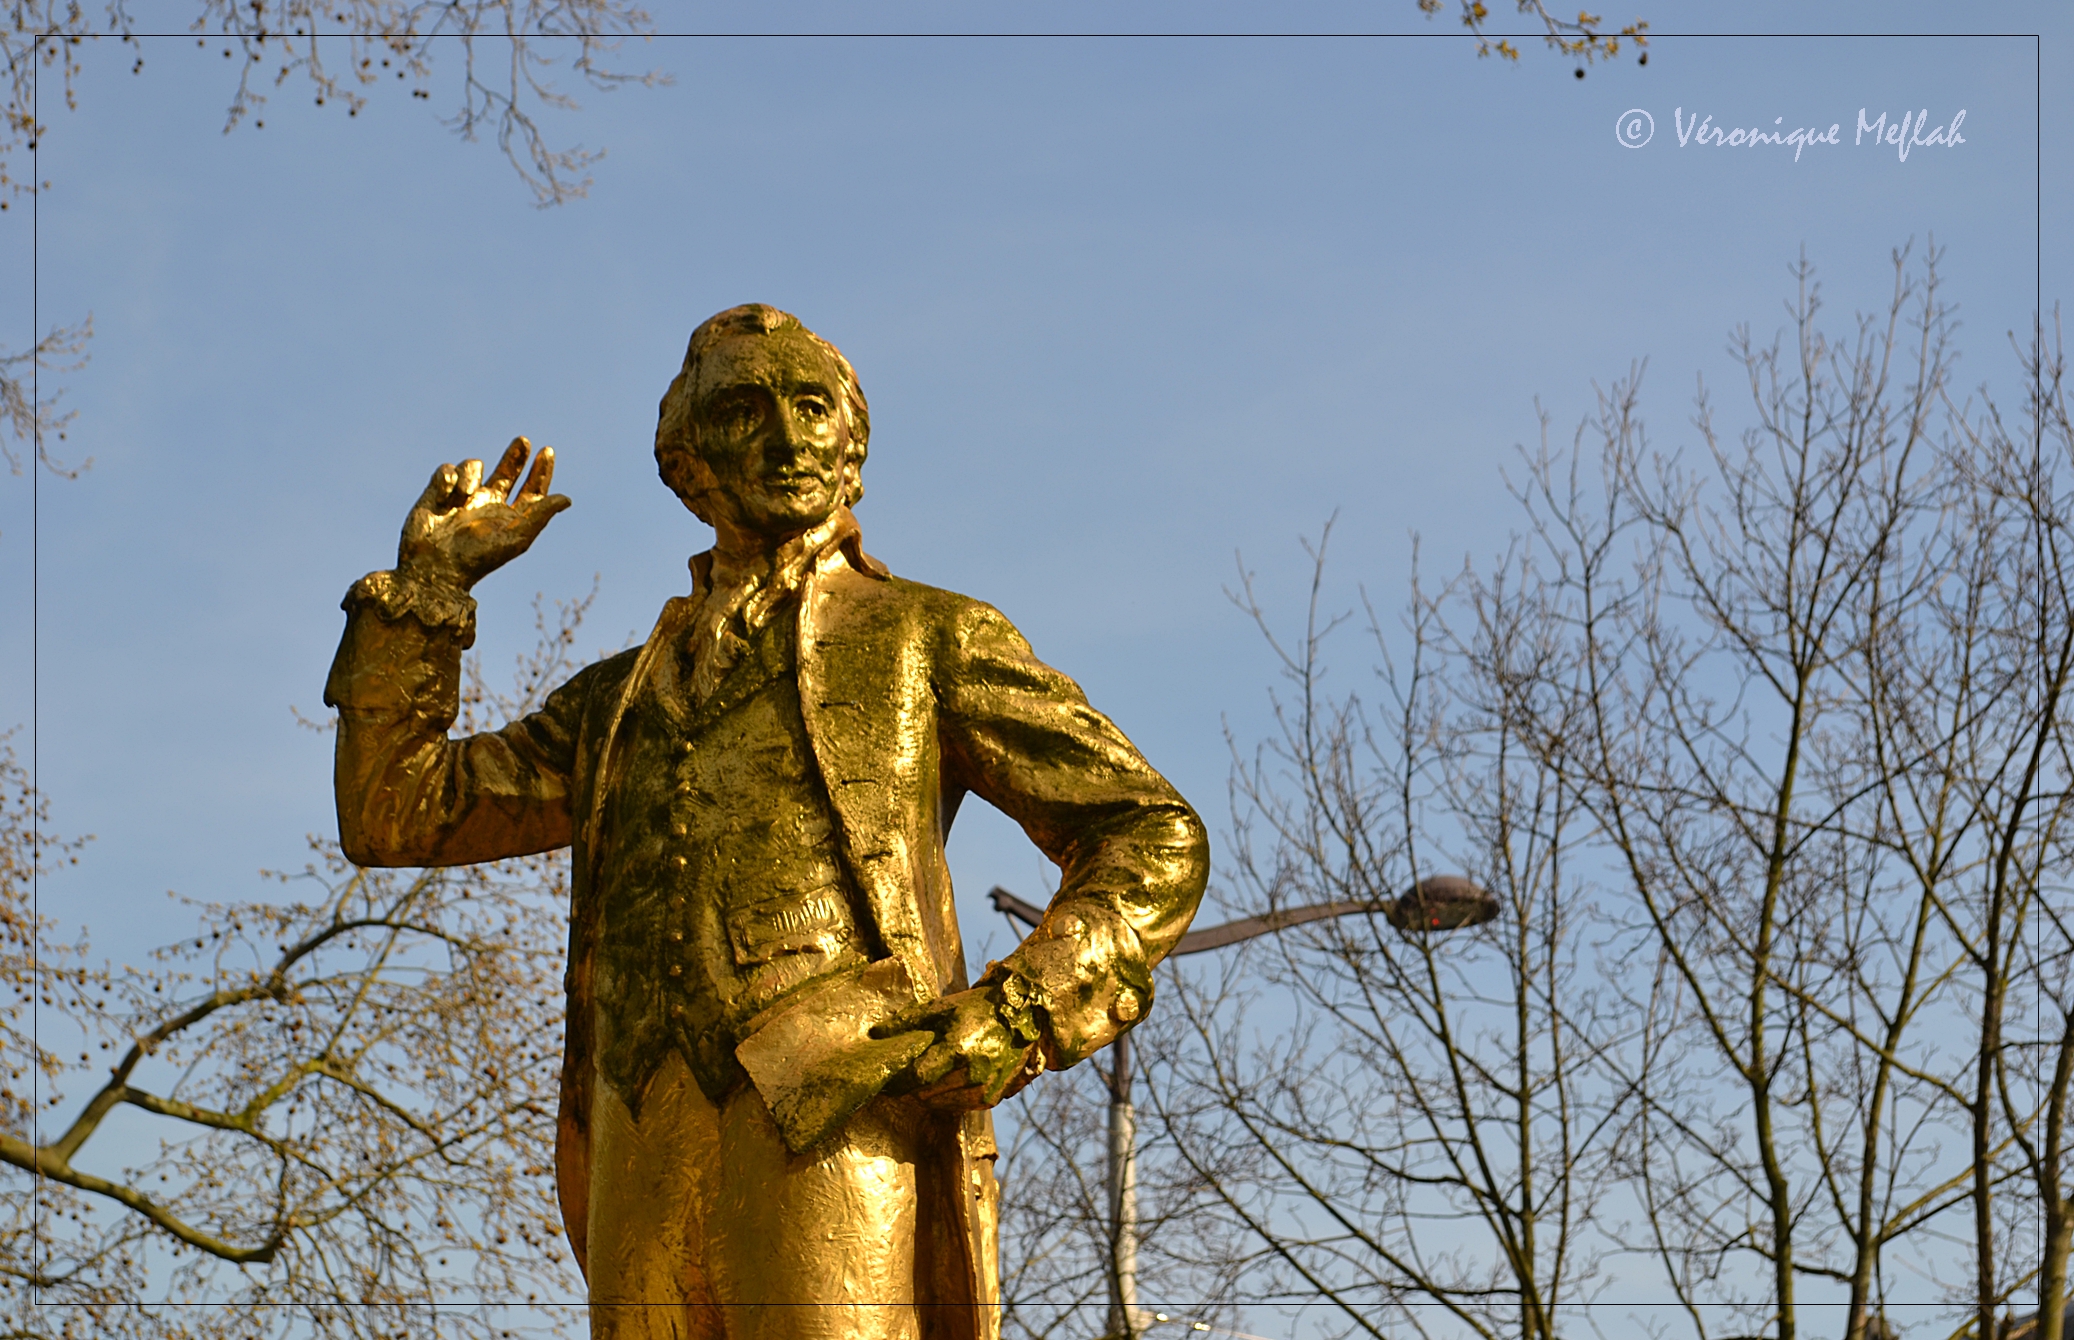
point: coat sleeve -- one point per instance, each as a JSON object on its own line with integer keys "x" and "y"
{"x": 1133, "y": 856}
{"x": 406, "y": 793}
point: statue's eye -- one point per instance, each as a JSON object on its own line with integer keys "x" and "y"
{"x": 812, "y": 407}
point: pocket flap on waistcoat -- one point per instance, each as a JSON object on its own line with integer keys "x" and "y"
{"x": 817, "y": 921}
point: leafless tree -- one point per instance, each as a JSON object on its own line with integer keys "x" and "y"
{"x": 351, "y": 1092}
{"x": 1764, "y": 748}
{"x": 2015, "y": 912}
{"x": 1584, "y": 39}
{"x": 1824, "y": 679}
{"x": 1057, "y": 1252}
{"x": 508, "y": 53}
{"x": 28, "y": 417}
{"x": 1430, "y": 1119}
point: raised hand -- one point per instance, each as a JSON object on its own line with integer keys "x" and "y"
{"x": 465, "y": 527}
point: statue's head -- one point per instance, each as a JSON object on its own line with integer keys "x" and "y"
{"x": 765, "y": 428}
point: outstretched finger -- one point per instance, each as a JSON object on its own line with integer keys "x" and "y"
{"x": 930, "y": 1016}
{"x": 937, "y": 1064}
{"x": 507, "y": 472}
{"x": 538, "y": 478}
{"x": 535, "y": 513}
{"x": 471, "y": 480}
{"x": 438, "y": 495}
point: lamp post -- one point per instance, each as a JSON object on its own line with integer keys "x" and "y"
{"x": 1439, "y": 903}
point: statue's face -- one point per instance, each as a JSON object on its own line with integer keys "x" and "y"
{"x": 772, "y": 432}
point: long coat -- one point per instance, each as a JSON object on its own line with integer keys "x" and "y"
{"x": 912, "y": 697}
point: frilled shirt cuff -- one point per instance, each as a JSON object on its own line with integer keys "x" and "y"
{"x": 401, "y": 652}
{"x": 1076, "y": 984}
{"x": 437, "y": 606}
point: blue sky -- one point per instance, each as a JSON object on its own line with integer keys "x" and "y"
{"x": 1126, "y": 307}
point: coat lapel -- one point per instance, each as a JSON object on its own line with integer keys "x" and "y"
{"x": 854, "y": 656}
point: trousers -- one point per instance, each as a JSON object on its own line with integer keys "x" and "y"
{"x": 704, "y": 1226}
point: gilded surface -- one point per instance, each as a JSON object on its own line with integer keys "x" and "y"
{"x": 712, "y": 911}
{"x": 775, "y": 1086}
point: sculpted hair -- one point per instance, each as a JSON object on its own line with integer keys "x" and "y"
{"x": 677, "y": 457}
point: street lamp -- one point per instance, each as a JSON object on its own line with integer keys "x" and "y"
{"x": 1438, "y": 903}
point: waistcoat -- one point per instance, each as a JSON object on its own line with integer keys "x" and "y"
{"x": 724, "y": 893}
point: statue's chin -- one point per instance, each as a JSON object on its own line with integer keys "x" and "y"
{"x": 785, "y": 515}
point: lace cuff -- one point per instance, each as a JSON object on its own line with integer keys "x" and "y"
{"x": 1077, "y": 982}
{"x": 436, "y": 606}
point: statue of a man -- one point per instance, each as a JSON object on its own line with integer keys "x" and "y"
{"x": 776, "y": 1080}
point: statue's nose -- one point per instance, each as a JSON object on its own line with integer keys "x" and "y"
{"x": 789, "y": 437}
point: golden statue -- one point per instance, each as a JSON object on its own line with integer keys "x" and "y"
{"x": 776, "y": 1083}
